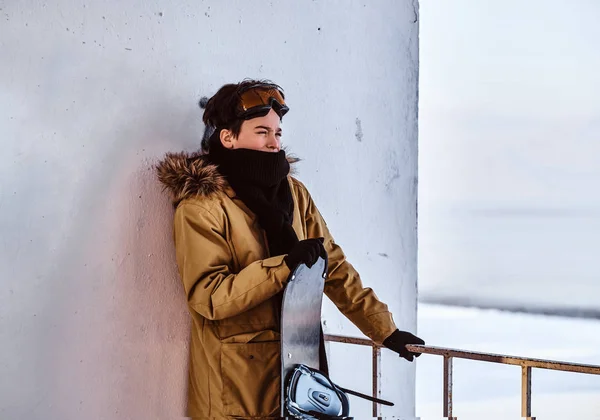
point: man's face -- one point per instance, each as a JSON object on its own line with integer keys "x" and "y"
{"x": 260, "y": 133}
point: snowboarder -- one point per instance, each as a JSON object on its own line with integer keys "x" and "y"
{"x": 241, "y": 225}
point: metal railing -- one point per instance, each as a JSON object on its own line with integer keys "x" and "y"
{"x": 527, "y": 364}
{"x": 376, "y": 354}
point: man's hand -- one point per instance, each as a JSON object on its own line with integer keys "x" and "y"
{"x": 398, "y": 341}
{"x": 307, "y": 251}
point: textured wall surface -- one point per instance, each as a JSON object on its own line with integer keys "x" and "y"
{"x": 92, "y": 315}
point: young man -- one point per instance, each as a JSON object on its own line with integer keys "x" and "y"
{"x": 242, "y": 224}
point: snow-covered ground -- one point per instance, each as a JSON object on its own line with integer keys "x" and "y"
{"x": 492, "y": 391}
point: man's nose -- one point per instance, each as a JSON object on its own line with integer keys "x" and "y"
{"x": 273, "y": 142}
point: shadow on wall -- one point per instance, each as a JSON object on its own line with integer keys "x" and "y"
{"x": 114, "y": 329}
{"x": 153, "y": 320}
{"x": 153, "y": 307}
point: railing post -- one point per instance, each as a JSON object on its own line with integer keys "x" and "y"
{"x": 376, "y": 378}
{"x": 526, "y": 392}
{"x": 448, "y": 388}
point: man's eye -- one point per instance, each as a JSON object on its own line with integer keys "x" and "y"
{"x": 262, "y": 132}
{"x": 278, "y": 134}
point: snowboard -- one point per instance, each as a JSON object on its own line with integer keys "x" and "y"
{"x": 301, "y": 320}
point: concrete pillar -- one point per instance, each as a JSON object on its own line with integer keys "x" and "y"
{"x": 92, "y": 315}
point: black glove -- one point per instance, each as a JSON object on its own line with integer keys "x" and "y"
{"x": 307, "y": 251}
{"x": 398, "y": 341}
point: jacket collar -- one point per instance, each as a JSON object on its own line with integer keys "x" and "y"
{"x": 187, "y": 175}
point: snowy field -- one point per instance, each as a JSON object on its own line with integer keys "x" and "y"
{"x": 492, "y": 391}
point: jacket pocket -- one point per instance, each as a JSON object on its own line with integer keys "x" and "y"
{"x": 251, "y": 379}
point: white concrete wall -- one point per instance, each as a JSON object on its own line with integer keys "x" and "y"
{"x": 92, "y": 315}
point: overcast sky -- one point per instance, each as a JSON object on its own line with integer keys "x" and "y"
{"x": 509, "y": 104}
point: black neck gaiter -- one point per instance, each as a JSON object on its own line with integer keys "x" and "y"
{"x": 259, "y": 179}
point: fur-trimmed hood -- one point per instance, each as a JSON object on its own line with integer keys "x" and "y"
{"x": 186, "y": 175}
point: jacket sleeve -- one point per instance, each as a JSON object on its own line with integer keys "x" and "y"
{"x": 344, "y": 286}
{"x": 205, "y": 259}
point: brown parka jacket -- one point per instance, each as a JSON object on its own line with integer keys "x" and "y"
{"x": 231, "y": 285}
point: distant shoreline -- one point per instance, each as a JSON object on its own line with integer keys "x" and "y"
{"x": 574, "y": 312}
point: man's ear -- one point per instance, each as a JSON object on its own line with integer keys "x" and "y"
{"x": 227, "y": 138}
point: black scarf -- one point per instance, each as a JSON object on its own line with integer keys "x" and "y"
{"x": 259, "y": 179}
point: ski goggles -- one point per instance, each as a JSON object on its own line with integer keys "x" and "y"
{"x": 258, "y": 100}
